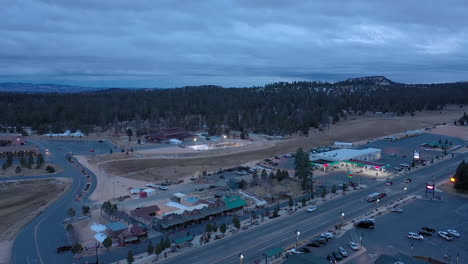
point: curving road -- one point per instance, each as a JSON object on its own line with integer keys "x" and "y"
{"x": 37, "y": 241}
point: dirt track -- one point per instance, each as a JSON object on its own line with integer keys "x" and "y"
{"x": 361, "y": 129}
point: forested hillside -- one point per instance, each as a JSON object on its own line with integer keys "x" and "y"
{"x": 277, "y": 108}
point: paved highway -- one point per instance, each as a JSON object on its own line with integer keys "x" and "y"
{"x": 281, "y": 233}
{"x": 37, "y": 241}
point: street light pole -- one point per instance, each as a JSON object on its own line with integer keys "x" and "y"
{"x": 113, "y": 187}
{"x": 377, "y": 203}
{"x": 297, "y": 237}
{"x": 342, "y": 218}
{"x": 241, "y": 258}
{"x": 404, "y": 191}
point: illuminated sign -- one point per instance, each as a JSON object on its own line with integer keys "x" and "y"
{"x": 430, "y": 186}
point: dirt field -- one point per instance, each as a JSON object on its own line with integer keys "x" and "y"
{"x": 451, "y": 130}
{"x": 10, "y": 172}
{"x": 21, "y": 202}
{"x": 363, "y": 128}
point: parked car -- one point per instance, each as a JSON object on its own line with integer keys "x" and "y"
{"x": 453, "y": 233}
{"x": 63, "y": 249}
{"x": 320, "y": 240}
{"x": 312, "y": 209}
{"x": 424, "y": 233}
{"x": 313, "y": 244}
{"x": 389, "y": 183}
{"x": 162, "y": 188}
{"x": 327, "y": 235}
{"x": 428, "y": 229}
{"x": 366, "y": 224}
{"x": 445, "y": 235}
{"x": 296, "y": 251}
{"x": 331, "y": 258}
{"x": 412, "y": 235}
{"x": 337, "y": 255}
{"x": 353, "y": 246}
{"x": 343, "y": 252}
{"x": 396, "y": 210}
{"x": 408, "y": 180}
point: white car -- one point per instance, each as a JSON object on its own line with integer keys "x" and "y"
{"x": 327, "y": 235}
{"x": 343, "y": 252}
{"x": 295, "y": 251}
{"x": 312, "y": 209}
{"x": 412, "y": 235}
{"x": 396, "y": 210}
{"x": 453, "y": 232}
{"x": 445, "y": 235}
{"x": 353, "y": 246}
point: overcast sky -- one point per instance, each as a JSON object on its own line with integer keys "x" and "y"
{"x": 154, "y": 43}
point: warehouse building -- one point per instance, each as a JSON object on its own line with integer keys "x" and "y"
{"x": 361, "y": 157}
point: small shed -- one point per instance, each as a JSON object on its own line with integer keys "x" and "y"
{"x": 149, "y": 192}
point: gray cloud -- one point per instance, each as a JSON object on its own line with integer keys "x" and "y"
{"x": 231, "y": 43}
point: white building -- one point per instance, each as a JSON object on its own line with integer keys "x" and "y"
{"x": 368, "y": 154}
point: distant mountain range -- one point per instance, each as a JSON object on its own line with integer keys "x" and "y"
{"x": 50, "y": 88}
{"x": 58, "y": 88}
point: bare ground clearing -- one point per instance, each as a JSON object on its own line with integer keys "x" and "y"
{"x": 10, "y": 172}
{"x": 362, "y": 128}
{"x": 20, "y": 203}
{"x": 451, "y": 131}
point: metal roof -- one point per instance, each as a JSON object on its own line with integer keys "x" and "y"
{"x": 343, "y": 154}
{"x": 273, "y": 252}
{"x": 234, "y": 202}
{"x": 184, "y": 239}
{"x": 117, "y": 226}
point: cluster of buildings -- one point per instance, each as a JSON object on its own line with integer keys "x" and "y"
{"x": 365, "y": 158}
{"x": 16, "y": 146}
{"x": 119, "y": 231}
{"x": 168, "y": 134}
{"x": 182, "y": 210}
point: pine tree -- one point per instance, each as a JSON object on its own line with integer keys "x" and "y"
{"x": 158, "y": 249}
{"x": 223, "y": 228}
{"x": 39, "y": 161}
{"x": 107, "y": 243}
{"x": 264, "y": 175}
{"x": 30, "y": 161}
{"x": 461, "y": 177}
{"x": 150, "y": 248}
{"x": 130, "y": 258}
{"x": 236, "y": 222}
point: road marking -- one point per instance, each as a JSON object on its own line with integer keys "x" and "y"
{"x": 35, "y": 240}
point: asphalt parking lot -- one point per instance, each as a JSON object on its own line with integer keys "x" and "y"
{"x": 404, "y": 148}
{"x": 390, "y": 233}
